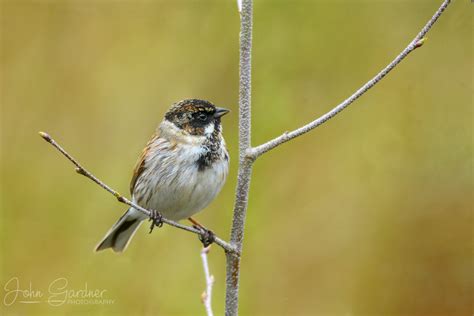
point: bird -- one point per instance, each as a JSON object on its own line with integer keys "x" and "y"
{"x": 179, "y": 172}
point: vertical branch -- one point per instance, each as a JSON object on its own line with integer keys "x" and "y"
{"x": 207, "y": 295}
{"x": 245, "y": 164}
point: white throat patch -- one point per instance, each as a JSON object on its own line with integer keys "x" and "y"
{"x": 209, "y": 129}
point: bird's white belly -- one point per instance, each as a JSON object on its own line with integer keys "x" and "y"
{"x": 178, "y": 189}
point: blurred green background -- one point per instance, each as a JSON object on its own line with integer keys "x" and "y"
{"x": 371, "y": 214}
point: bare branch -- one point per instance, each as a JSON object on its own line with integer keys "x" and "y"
{"x": 245, "y": 164}
{"x": 418, "y": 41}
{"x": 207, "y": 295}
{"x": 247, "y": 154}
{"x": 81, "y": 170}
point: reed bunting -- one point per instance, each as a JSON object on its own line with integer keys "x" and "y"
{"x": 181, "y": 170}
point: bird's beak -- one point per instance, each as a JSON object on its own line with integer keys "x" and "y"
{"x": 220, "y": 112}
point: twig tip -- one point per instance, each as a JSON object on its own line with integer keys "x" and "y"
{"x": 45, "y": 136}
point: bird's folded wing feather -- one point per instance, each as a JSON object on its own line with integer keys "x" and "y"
{"x": 140, "y": 165}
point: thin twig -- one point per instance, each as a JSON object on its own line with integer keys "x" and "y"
{"x": 418, "y": 41}
{"x": 81, "y": 170}
{"x": 207, "y": 295}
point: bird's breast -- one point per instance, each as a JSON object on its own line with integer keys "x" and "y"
{"x": 181, "y": 184}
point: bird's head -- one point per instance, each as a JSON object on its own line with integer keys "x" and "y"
{"x": 196, "y": 117}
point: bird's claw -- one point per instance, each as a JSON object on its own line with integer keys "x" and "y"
{"x": 156, "y": 220}
{"x": 207, "y": 236}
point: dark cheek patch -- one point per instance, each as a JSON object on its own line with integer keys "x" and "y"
{"x": 193, "y": 130}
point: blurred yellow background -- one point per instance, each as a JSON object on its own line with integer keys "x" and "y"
{"x": 371, "y": 214}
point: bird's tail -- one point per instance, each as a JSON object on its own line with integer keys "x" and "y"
{"x": 119, "y": 236}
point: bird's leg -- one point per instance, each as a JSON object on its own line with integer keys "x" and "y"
{"x": 206, "y": 236}
{"x": 156, "y": 219}
{"x": 196, "y": 224}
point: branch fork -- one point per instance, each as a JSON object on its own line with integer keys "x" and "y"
{"x": 249, "y": 154}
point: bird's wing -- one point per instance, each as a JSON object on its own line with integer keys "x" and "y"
{"x": 140, "y": 165}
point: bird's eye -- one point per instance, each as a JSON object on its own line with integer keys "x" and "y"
{"x": 202, "y": 117}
